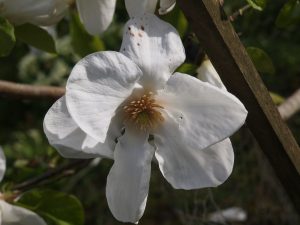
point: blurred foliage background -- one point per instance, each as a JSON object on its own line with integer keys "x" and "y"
{"x": 273, "y": 43}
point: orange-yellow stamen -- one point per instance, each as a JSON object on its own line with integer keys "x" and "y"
{"x": 143, "y": 113}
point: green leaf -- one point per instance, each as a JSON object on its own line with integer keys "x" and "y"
{"x": 277, "y": 99}
{"x": 187, "y": 68}
{"x": 55, "y": 207}
{"x": 261, "y": 60}
{"x": 289, "y": 14}
{"x": 178, "y": 20}
{"x": 7, "y": 37}
{"x": 257, "y": 4}
{"x": 83, "y": 43}
{"x": 36, "y": 37}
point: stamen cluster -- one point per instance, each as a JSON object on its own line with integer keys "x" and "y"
{"x": 143, "y": 113}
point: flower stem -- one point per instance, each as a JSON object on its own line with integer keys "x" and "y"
{"x": 239, "y": 12}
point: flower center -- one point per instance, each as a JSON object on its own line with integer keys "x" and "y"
{"x": 143, "y": 113}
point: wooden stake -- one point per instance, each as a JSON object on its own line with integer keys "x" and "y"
{"x": 237, "y": 71}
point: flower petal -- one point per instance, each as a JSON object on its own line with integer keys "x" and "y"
{"x": 166, "y": 6}
{"x": 137, "y": 8}
{"x": 26, "y": 11}
{"x": 97, "y": 86}
{"x": 186, "y": 167}
{"x": 204, "y": 114}
{"x": 58, "y": 13}
{"x": 207, "y": 73}
{"x": 128, "y": 180}
{"x": 155, "y": 46}
{"x": 70, "y": 141}
{"x": 15, "y": 215}
{"x": 2, "y": 164}
{"x": 96, "y": 15}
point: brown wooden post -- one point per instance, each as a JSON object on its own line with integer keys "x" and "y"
{"x": 236, "y": 69}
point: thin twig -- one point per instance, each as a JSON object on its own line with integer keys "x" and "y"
{"x": 57, "y": 172}
{"x": 290, "y": 106}
{"x": 24, "y": 91}
{"x": 30, "y": 92}
{"x": 239, "y": 12}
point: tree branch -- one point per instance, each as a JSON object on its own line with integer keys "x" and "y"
{"x": 57, "y": 172}
{"x": 30, "y": 92}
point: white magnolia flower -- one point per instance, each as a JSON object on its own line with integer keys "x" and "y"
{"x": 207, "y": 73}
{"x": 39, "y": 12}
{"x": 138, "y": 7}
{"x": 97, "y": 15}
{"x": 15, "y": 215}
{"x": 115, "y": 102}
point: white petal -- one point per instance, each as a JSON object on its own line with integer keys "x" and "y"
{"x": 96, "y": 15}
{"x": 2, "y": 164}
{"x": 139, "y": 7}
{"x": 26, "y": 11}
{"x": 186, "y": 167}
{"x": 128, "y": 180}
{"x": 151, "y": 6}
{"x": 155, "y": 46}
{"x": 97, "y": 86}
{"x": 15, "y": 215}
{"x": 70, "y": 141}
{"x": 232, "y": 214}
{"x": 204, "y": 114}
{"x": 166, "y": 6}
{"x": 207, "y": 73}
{"x": 58, "y": 13}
